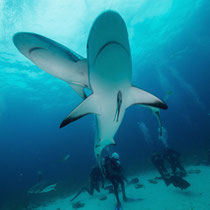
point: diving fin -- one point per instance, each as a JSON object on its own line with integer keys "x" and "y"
{"x": 179, "y": 182}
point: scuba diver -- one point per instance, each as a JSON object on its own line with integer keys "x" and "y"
{"x": 173, "y": 159}
{"x": 95, "y": 178}
{"x": 114, "y": 173}
{"x": 159, "y": 162}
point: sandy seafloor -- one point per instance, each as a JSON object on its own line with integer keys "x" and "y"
{"x": 155, "y": 196}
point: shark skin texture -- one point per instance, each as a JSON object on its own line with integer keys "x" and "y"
{"x": 107, "y": 71}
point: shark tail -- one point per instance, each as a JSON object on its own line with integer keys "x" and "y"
{"x": 88, "y": 106}
{"x": 99, "y": 148}
{"x": 141, "y": 97}
{"x": 100, "y": 143}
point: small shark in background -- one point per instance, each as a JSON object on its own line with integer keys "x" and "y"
{"x": 156, "y": 112}
{"x": 107, "y": 72}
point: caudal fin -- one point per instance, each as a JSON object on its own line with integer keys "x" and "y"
{"x": 100, "y": 145}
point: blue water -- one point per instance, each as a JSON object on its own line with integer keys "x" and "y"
{"x": 170, "y": 45}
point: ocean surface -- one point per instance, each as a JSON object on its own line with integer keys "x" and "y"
{"x": 170, "y": 48}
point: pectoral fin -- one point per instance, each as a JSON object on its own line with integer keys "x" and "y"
{"x": 88, "y": 106}
{"x": 53, "y": 57}
{"x": 141, "y": 97}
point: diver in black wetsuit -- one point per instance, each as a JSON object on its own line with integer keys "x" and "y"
{"x": 173, "y": 158}
{"x": 95, "y": 178}
{"x": 114, "y": 173}
{"x": 158, "y": 162}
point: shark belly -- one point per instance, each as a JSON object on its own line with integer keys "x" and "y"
{"x": 107, "y": 121}
{"x": 111, "y": 69}
{"x": 109, "y": 76}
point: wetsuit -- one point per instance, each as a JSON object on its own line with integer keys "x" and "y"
{"x": 177, "y": 181}
{"x": 113, "y": 172}
{"x": 173, "y": 158}
{"x": 158, "y": 162}
{"x": 95, "y": 178}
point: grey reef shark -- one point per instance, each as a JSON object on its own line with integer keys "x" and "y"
{"x": 107, "y": 72}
